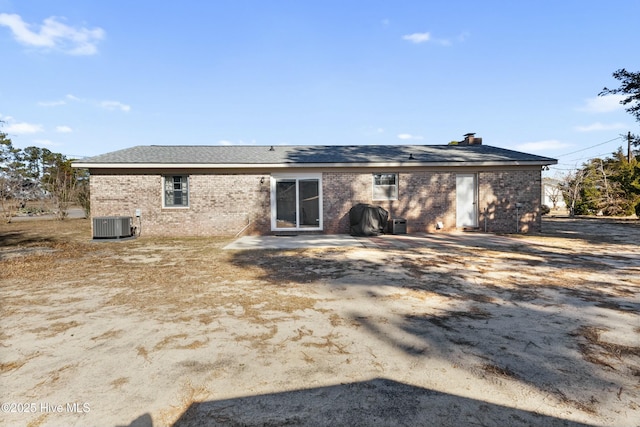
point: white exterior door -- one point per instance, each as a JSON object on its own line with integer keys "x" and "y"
{"x": 466, "y": 200}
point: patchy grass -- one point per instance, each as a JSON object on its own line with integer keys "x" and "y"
{"x": 12, "y": 366}
{"x": 599, "y": 352}
{"x": 145, "y": 274}
{"x": 504, "y": 372}
{"x": 142, "y": 352}
{"x": 6, "y": 367}
{"x": 119, "y": 382}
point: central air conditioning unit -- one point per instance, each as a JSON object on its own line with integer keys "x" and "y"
{"x": 398, "y": 226}
{"x": 112, "y": 227}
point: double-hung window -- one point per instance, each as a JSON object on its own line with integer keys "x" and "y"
{"x": 176, "y": 191}
{"x": 385, "y": 186}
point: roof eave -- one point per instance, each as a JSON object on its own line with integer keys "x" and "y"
{"x": 542, "y": 162}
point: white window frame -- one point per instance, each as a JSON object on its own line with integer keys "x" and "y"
{"x": 164, "y": 191}
{"x": 384, "y": 188}
{"x": 297, "y": 177}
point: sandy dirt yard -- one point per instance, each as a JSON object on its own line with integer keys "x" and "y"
{"x": 432, "y": 329}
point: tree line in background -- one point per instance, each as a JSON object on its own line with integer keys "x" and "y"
{"x": 38, "y": 174}
{"x": 610, "y": 186}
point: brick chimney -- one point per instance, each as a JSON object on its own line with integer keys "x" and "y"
{"x": 470, "y": 139}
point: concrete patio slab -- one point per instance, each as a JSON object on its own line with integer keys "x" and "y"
{"x": 295, "y": 242}
{"x": 383, "y": 241}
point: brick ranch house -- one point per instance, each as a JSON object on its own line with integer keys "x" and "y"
{"x": 233, "y": 190}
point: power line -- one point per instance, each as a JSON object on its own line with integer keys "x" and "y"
{"x": 575, "y": 166}
{"x": 589, "y": 157}
{"x": 588, "y": 148}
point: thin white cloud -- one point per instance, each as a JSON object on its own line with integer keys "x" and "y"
{"x": 603, "y": 104}
{"x": 23, "y": 128}
{"x": 11, "y": 126}
{"x": 63, "y": 129}
{"x": 417, "y": 37}
{"x": 51, "y": 103}
{"x": 597, "y": 126}
{"x": 69, "y": 98}
{"x": 547, "y": 145}
{"x": 73, "y": 98}
{"x": 408, "y": 136}
{"x": 54, "y": 35}
{"x": 115, "y": 105}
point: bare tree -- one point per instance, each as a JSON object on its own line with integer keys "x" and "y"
{"x": 570, "y": 188}
{"x": 554, "y": 195}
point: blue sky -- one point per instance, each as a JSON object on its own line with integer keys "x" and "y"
{"x": 88, "y": 77}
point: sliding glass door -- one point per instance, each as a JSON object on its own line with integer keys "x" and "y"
{"x": 296, "y": 202}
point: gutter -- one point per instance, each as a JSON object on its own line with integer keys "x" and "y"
{"x": 89, "y": 165}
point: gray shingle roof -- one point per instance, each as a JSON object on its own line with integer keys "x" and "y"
{"x": 356, "y": 155}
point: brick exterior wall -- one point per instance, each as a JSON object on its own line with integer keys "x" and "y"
{"x": 228, "y": 204}
{"x": 424, "y": 198}
{"x": 219, "y": 205}
{"x": 428, "y": 197}
{"x": 499, "y": 191}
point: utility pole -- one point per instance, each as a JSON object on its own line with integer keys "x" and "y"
{"x": 629, "y": 147}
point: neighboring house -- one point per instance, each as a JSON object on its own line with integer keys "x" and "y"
{"x": 232, "y": 190}
{"x": 552, "y": 194}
